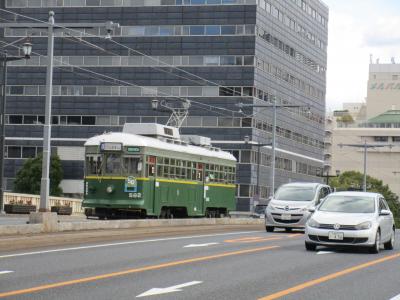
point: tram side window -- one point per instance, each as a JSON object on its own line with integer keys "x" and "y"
{"x": 199, "y": 172}
{"x": 93, "y": 165}
{"x": 151, "y": 168}
{"x": 132, "y": 166}
{"x": 113, "y": 163}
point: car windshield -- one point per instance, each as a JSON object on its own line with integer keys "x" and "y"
{"x": 260, "y": 209}
{"x": 349, "y": 204}
{"x": 295, "y": 193}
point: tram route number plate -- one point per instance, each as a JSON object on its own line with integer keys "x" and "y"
{"x": 110, "y": 146}
{"x": 135, "y": 195}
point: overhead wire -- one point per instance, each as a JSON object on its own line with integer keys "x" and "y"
{"x": 121, "y": 45}
{"x": 113, "y": 80}
{"x": 144, "y": 55}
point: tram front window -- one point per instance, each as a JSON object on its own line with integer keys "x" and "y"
{"x": 93, "y": 164}
{"x": 113, "y": 164}
{"x": 132, "y": 166}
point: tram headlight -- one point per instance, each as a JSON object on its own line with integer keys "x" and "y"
{"x": 110, "y": 189}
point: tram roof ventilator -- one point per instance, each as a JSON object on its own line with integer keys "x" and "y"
{"x": 167, "y": 134}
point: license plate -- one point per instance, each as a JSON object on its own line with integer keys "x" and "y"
{"x": 286, "y": 217}
{"x": 336, "y": 236}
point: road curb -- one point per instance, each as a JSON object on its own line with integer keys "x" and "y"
{"x": 7, "y": 230}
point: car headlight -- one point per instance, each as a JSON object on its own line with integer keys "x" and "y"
{"x": 364, "y": 225}
{"x": 304, "y": 209}
{"x": 313, "y": 223}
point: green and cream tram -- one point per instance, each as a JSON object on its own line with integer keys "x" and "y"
{"x": 148, "y": 170}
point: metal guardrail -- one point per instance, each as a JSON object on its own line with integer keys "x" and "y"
{"x": 27, "y": 199}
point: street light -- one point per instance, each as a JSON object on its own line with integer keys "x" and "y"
{"x": 275, "y": 107}
{"x": 320, "y": 173}
{"x": 4, "y": 58}
{"x": 365, "y": 146}
{"x": 259, "y": 145}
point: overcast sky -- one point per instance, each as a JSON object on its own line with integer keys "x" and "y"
{"x": 358, "y": 28}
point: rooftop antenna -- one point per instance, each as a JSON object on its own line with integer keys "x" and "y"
{"x": 371, "y": 59}
{"x": 393, "y": 61}
{"x": 377, "y": 61}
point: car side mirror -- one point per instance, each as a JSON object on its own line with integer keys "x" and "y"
{"x": 384, "y": 212}
{"x": 319, "y": 201}
{"x": 311, "y": 209}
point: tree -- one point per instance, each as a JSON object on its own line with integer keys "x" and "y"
{"x": 29, "y": 176}
{"x": 345, "y": 119}
{"x": 354, "y": 180}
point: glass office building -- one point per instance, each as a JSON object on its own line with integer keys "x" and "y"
{"x": 216, "y": 53}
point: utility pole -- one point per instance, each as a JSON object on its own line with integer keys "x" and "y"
{"x": 259, "y": 145}
{"x": 327, "y": 176}
{"x": 365, "y": 146}
{"x": 275, "y": 107}
{"x": 51, "y": 27}
{"x": 4, "y": 58}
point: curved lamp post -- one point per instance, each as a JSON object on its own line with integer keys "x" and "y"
{"x": 4, "y": 58}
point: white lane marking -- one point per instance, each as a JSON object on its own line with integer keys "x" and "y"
{"x": 199, "y": 245}
{"x": 171, "y": 289}
{"x": 124, "y": 243}
{"x": 325, "y": 252}
{"x": 5, "y": 272}
{"x": 396, "y": 297}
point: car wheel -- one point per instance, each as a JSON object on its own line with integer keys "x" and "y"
{"x": 310, "y": 246}
{"x": 269, "y": 228}
{"x": 390, "y": 245}
{"x": 377, "y": 246}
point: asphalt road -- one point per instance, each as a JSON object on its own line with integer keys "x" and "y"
{"x": 228, "y": 265}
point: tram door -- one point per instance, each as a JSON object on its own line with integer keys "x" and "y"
{"x": 200, "y": 193}
{"x": 150, "y": 174}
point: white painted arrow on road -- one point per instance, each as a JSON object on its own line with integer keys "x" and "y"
{"x": 5, "y": 272}
{"x": 171, "y": 289}
{"x": 199, "y": 245}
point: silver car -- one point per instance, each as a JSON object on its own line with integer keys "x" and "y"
{"x": 289, "y": 206}
{"x": 351, "y": 219}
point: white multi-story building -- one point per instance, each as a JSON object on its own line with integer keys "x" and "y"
{"x": 383, "y": 92}
{"x": 375, "y": 122}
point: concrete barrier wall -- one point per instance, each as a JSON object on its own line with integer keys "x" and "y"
{"x": 15, "y": 198}
{"x": 121, "y": 224}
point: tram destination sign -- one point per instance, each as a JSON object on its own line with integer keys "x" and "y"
{"x": 110, "y": 147}
{"x": 133, "y": 149}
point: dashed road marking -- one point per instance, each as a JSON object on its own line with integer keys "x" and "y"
{"x": 325, "y": 252}
{"x": 5, "y": 272}
{"x": 124, "y": 243}
{"x": 133, "y": 271}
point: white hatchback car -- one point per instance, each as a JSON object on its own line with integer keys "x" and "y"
{"x": 351, "y": 219}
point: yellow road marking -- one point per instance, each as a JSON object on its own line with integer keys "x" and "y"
{"x": 256, "y": 239}
{"x": 130, "y": 271}
{"x": 311, "y": 283}
{"x": 253, "y": 239}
